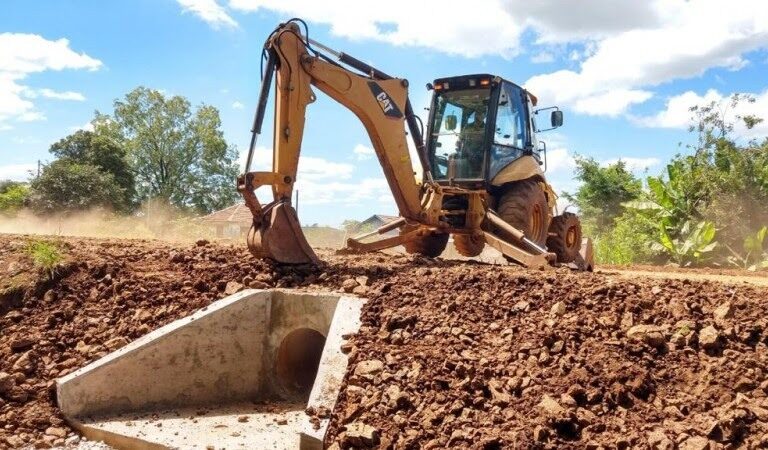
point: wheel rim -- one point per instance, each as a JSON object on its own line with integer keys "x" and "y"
{"x": 536, "y": 222}
{"x": 570, "y": 237}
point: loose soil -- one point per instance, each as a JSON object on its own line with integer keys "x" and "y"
{"x": 451, "y": 354}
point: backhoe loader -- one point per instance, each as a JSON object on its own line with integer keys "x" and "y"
{"x": 481, "y": 182}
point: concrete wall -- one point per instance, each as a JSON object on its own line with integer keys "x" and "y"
{"x": 223, "y": 353}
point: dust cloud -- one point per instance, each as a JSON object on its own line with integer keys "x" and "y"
{"x": 160, "y": 224}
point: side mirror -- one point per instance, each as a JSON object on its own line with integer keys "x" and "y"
{"x": 557, "y": 118}
{"x": 450, "y": 122}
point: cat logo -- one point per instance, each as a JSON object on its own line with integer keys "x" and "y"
{"x": 387, "y": 105}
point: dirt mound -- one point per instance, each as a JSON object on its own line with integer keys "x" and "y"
{"x": 451, "y": 354}
{"x": 491, "y": 357}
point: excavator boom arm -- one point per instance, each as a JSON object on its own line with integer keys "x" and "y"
{"x": 379, "y": 104}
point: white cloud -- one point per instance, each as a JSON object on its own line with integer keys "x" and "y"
{"x": 67, "y": 95}
{"x": 25, "y": 54}
{"x": 237, "y": 105}
{"x": 610, "y": 103}
{"x": 677, "y": 114}
{"x": 452, "y": 27}
{"x": 622, "y": 48}
{"x": 321, "y": 182}
{"x": 17, "y": 172}
{"x": 31, "y": 116}
{"x": 210, "y": 11}
{"x": 560, "y": 160}
{"x": 88, "y": 126}
{"x": 559, "y": 21}
{"x": 542, "y": 58}
{"x": 363, "y": 152}
{"x": 684, "y": 40}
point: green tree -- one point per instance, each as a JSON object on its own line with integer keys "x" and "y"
{"x": 13, "y": 195}
{"x": 65, "y": 186}
{"x": 178, "y": 154}
{"x": 602, "y": 192}
{"x": 88, "y": 148}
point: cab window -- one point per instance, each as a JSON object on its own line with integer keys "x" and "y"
{"x": 510, "y": 137}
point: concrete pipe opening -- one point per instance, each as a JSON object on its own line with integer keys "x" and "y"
{"x": 298, "y": 359}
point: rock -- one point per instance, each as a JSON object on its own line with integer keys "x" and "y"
{"x": 709, "y": 338}
{"x": 650, "y": 334}
{"x": 656, "y": 290}
{"x": 116, "y": 343}
{"x": 522, "y": 306}
{"x": 242, "y": 419}
{"x": 23, "y": 342}
{"x": 349, "y": 285}
{"x": 557, "y": 310}
{"x": 360, "y": 435}
{"x": 695, "y": 443}
{"x": 57, "y": 432}
{"x": 540, "y": 434}
{"x": 202, "y": 242}
{"x": 360, "y": 290}
{"x": 744, "y": 385}
{"x": 233, "y": 287}
{"x": 49, "y": 296}
{"x": 568, "y": 401}
{"x": 657, "y": 440}
{"x": 369, "y": 367}
{"x": 550, "y": 406}
{"x": 362, "y": 280}
{"x": 17, "y": 394}
{"x": 724, "y": 311}
{"x": 627, "y": 320}
{"x": 7, "y": 382}
{"x": 25, "y": 364}
{"x": 498, "y": 396}
{"x": 256, "y": 284}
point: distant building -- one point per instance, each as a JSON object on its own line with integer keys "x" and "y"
{"x": 374, "y": 222}
{"x": 232, "y": 222}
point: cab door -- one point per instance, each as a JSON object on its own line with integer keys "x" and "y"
{"x": 511, "y": 135}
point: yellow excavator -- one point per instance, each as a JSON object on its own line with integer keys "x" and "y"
{"x": 481, "y": 180}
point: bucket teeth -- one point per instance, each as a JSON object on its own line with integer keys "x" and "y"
{"x": 279, "y": 237}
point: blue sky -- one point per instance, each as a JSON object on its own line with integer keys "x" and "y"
{"x": 623, "y": 72}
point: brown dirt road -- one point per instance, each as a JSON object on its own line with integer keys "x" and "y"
{"x": 451, "y": 354}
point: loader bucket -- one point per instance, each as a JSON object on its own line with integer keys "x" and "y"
{"x": 279, "y": 236}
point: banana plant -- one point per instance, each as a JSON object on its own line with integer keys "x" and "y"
{"x": 692, "y": 245}
{"x": 754, "y": 254}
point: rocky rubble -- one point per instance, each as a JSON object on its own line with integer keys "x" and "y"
{"x": 491, "y": 357}
{"x": 450, "y": 354}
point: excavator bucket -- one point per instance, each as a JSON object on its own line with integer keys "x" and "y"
{"x": 279, "y": 236}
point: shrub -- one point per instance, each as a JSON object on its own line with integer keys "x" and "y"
{"x": 45, "y": 255}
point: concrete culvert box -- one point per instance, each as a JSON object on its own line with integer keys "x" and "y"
{"x": 237, "y": 374}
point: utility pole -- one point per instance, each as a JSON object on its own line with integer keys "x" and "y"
{"x": 38, "y": 168}
{"x": 297, "y": 202}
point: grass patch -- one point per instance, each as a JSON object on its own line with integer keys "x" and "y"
{"x": 45, "y": 255}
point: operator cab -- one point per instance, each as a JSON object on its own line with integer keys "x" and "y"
{"x": 478, "y": 125}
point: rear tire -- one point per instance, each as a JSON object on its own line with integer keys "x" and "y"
{"x": 565, "y": 238}
{"x": 468, "y": 245}
{"x": 431, "y": 244}
{"x": 524, "y": 206}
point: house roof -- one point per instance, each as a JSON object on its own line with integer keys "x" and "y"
{"x": 380, "y": 217}
{"x": 234, "y": 214}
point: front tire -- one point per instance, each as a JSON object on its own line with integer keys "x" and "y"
{"x": 565, "y": 237}
{"x": 524, "y": 206}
